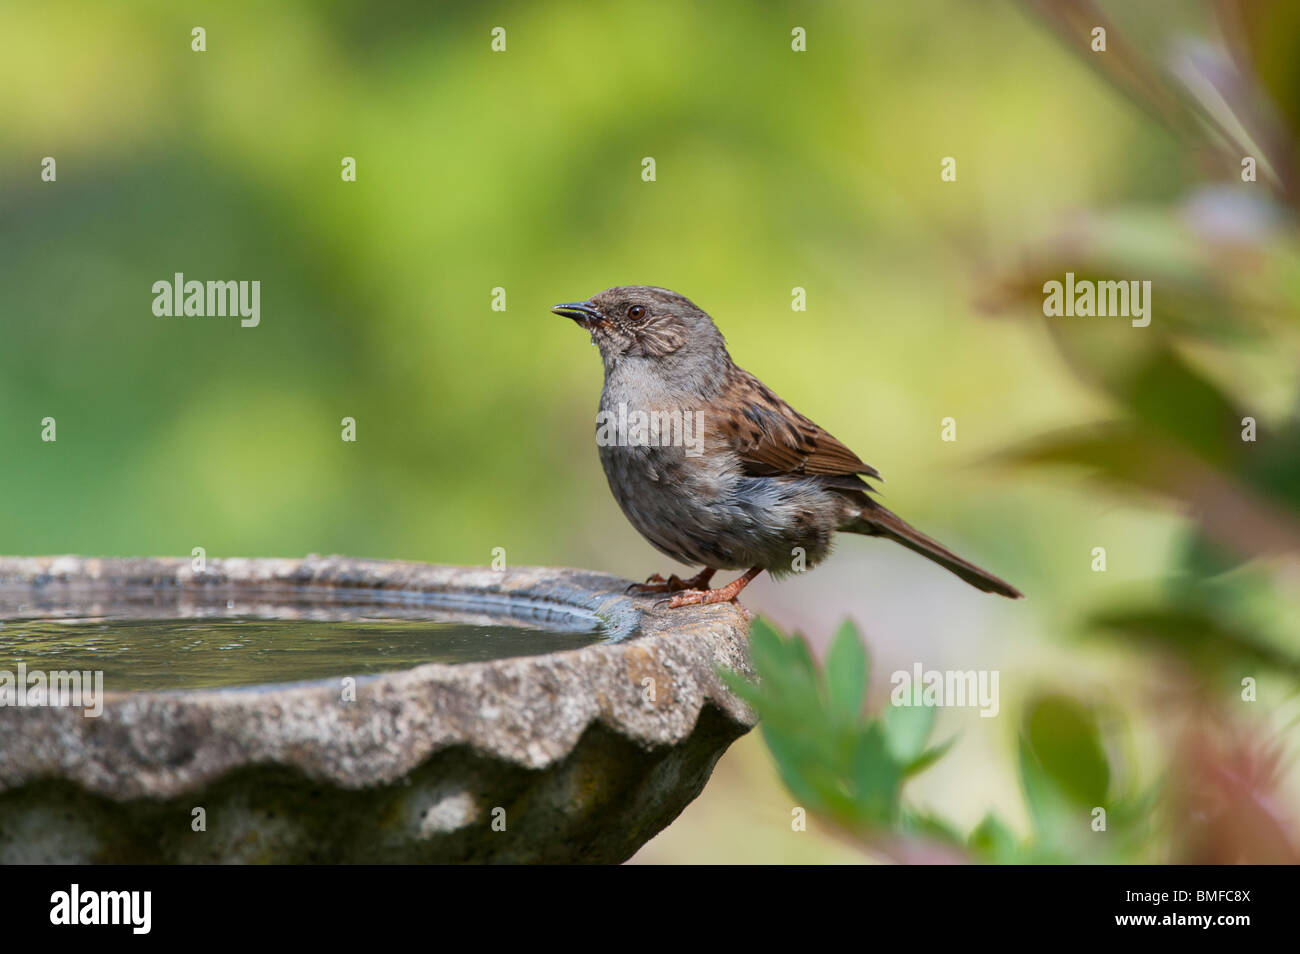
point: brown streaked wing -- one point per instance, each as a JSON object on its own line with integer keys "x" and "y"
{"x": 772, "y": 438}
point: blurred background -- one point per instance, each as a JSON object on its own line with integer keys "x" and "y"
{"x": 775, "y": 169}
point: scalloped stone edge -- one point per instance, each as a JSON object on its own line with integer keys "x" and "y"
{"x": 531, "y": 711}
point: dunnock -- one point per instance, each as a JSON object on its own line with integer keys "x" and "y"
{"x": 712, "y": 467}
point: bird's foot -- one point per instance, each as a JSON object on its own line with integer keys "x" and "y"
{"x": 722, "y": 594}
{"x": 657, "y": 584}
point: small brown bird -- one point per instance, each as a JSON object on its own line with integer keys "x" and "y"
{"x": 712, "y": 467}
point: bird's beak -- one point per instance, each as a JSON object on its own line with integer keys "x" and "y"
{"x": 583, "y": 312}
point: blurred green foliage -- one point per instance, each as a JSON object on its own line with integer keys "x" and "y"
{"x": 1187, "y": 425}
{"x": 838, "y": 764}
{"x": 849, "y": 769}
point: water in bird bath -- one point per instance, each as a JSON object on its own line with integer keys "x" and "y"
{"x": 208, "y": 652}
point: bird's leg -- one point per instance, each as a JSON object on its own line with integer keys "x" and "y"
{"x": 699, "y": 580}
{"x": 657, "y": 584}
{"x": 723, "y": 594}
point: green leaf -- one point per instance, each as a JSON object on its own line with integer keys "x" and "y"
{"x": 1167, "y": 395}
{"x": 907, "y": 728}
{"x": 928, "y": 758}
{"x": 1205, "y": 559}
{"x": 876, "y": 778}
{"x": 785, "y": 669}
{"x": 766, "y": 647}
{"x": 1206, "y": 637}
{"x": 798, "y": 774}
{"x": 846, "y": 675}
{"x": 931, "y": 826}
{"x": 1050, "y": 810}
{"x": 994, "y": 841}
{"x": 1062, "y": 738}
{"x": 837, "y": 763}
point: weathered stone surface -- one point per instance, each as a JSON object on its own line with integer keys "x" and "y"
{"x": 584, "y": 762}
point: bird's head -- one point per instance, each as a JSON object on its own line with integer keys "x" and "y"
{"x": 639, "y": 321}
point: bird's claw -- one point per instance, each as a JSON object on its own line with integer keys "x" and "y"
{"x": 674, "y": 584}
{"x": 654, "y": 584}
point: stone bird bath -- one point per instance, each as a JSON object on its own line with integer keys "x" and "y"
{"x": 580, "y": 755}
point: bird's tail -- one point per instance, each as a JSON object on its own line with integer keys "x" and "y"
{"x": 876, "y": 521}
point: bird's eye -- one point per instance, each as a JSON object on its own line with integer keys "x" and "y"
{"x": 636, "y": 312}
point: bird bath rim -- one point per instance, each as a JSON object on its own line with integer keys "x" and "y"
{"x": 323, "y": 589}
{"x": 528, "y": 710}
